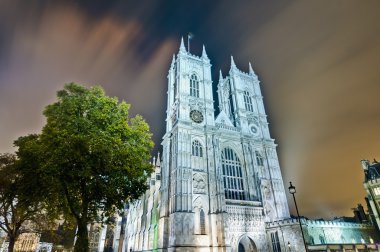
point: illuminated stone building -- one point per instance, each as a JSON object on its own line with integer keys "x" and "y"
{"x": 219, "y": 180}
{"x": 218, "y": 185}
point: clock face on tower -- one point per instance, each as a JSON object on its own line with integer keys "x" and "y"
{"x": 196, "y": 116}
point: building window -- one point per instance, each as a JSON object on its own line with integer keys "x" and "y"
{"x": 275, "y": 242}
{"x": 202, "y": 222}
{"x": 312, "y": 240}
{"x": 196, "y": 149}
{"x": 94, "y": 240}
{"x": 376, "y": 190}
{"x": 259, "y": 159}
{"x": 232, "y": 175}
{"x": 194, "y": 86}
{"x": 248, "y": 101}
{"x": 322, "y": 239}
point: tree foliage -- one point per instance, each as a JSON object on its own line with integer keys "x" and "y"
{"x": 21, "y": 206}
{"x": 92, "y": 156}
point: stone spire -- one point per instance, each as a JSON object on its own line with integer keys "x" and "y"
{"x": 158, "y": 162}
{"x": 233, "y": 65}
{"x": 173, "y": 61}
{"x": 154, "y": 161}
{"x": 251, "y": 72}
{"x": 204, "y": 54}
{"x": 220, "y": 75}
{"x": 182, "y": 46}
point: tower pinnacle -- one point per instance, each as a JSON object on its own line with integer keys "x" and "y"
{"x": 158, "y": 161}
{"x": 220, "y": 75}
{"x": 182, "y": 46}
{"x": 250, "y": 69}
{"x": 172, "y": 64}
{"x": 233, "y": 65}
{"x": 204, "y": 54}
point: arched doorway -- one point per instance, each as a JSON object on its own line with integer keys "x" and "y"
{"x": 246, "y": 245}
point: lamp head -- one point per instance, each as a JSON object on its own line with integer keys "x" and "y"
{"x": 292, "y": 188}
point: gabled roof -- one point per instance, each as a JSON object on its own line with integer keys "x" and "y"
{"x": 222, "y": 118}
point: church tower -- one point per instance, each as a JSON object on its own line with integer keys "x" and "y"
{"x": 220, "y": 180}
{"x": 217, "y": 170}
{"x": 241, "y": 105}
{"x": 191, "y": 208}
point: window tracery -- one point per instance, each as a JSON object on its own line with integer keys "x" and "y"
{"x": 194, "y": 86}
{"x": 202, "y": 222}
{"x": 232, "y": 175}
{"x": 275, "y": 242}
{"x": 196, "y": 149}
{"x": 248, "y": 101}
{"x": 259, "y": 159}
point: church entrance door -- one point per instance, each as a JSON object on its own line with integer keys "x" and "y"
{"x": 246, "y": 245}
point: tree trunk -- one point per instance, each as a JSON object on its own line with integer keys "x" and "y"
{"x": 11, "y": 244}
{"x": 81, "y": 244}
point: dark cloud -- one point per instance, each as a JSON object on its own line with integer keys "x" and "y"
{"x": 317, "y": 62}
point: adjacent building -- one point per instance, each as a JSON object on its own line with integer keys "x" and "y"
{"x": 322, "y": 235}
{"x": 372, "y": 187}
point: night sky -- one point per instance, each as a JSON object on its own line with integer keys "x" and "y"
{"x": 318, "y": 62}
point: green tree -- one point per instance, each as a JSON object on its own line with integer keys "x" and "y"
{"x": 10, "y": 221}
{"x": 21, "y": 205}
{"x": 93, "y": 157}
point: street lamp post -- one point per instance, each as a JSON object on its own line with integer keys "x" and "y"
{"x": 292, "y": 191}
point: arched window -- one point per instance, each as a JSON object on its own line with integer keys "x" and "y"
{"x": 342, "y": 238}
{"x": 312, "y": 240}
{"x": 259, "y": 159}
{"x": 232, "y": 175}
{"x": 94, "y": 240}
{"x": 248, "y": 101}
{"x": 194, "y": 86}
{"x": 196, "y": 149}
{"x": 322, "y": 239}
{"x": 202, "y": 222}
{"x": 275, "y": 242}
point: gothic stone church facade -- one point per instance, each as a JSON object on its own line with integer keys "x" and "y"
{"x": 219, "y": 180}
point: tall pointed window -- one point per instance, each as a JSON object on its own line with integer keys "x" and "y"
{"x": 248, "y": 101}
{"x": 194, "y": 86}
{"x": 232, "y": 175}
{"x": 202, "y": 222}
{"x": 196, "y": 149}
{"x": 94, "y": 240}
{"x": 275, "y": 242}
{"x": 259, "y": 159}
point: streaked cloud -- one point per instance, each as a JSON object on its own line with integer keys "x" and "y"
{"x": 64, "y": 46}
{"x": 318, "y": 63}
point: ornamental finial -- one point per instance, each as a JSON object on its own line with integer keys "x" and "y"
{"x": 250, "y": 69}
{"x": 182, "y": 46}
{"x": 204, "y": 54}
{"x": 233, "y": 65}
